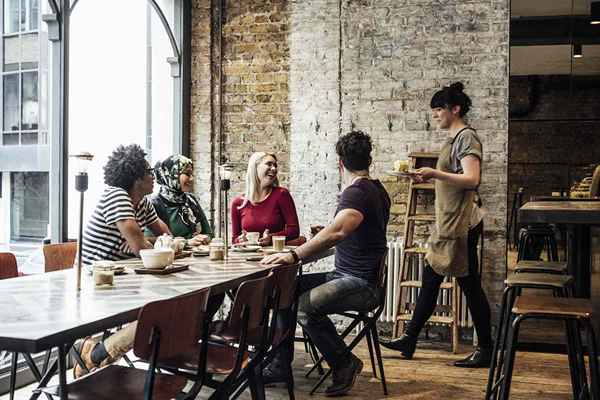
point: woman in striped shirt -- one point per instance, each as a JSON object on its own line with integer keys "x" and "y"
{"x": 115, "y": 230}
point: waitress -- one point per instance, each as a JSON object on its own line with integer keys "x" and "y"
{"x": 452, "y": 248}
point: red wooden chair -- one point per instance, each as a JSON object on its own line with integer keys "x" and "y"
{"x": 59, "y": 256}
{"x": 167, "y": 331}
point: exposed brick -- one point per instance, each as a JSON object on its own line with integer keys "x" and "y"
{"x": 291, "y": 88}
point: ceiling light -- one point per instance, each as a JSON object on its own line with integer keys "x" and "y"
{"x": 595, "y": 13}
{"x": 577, "y": 51}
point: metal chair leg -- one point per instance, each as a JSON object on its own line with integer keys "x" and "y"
{"x": 499, "y": 334}
{"x": 370, "y": 346}
{"x": 572, "y": 357}
{"x": 13, "y": 374}
{"x": 510, "y": 358}
{"x": 593, "y": 360}
{"x": 379, "y": 359}
{"x": 579, "y": 353}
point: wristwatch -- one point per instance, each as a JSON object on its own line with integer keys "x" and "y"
{"x": 295, "y": 255}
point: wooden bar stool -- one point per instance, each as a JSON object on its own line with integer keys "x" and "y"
{"x": 559, "y": 285}
{"x": 577, "y": 313}
{"x": 549, "y": 267}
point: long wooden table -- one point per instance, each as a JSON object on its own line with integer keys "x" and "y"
{"x": 42, "y": 312}
{"x": 578, "y": 217}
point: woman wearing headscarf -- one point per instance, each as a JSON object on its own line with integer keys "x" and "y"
{"x": 176, "y": 205}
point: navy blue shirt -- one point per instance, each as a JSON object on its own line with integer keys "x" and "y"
{"x": 360, "y": 252}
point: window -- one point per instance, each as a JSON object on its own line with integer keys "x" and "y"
{"x": 22, "y": 57}
{"x": 29, "y": 205}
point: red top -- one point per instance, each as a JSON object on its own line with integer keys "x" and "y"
{"x": 277, "y": 213}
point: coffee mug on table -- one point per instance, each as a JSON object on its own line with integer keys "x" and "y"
{"x": 252, "y": 237}
{"x": 278, "y": 242}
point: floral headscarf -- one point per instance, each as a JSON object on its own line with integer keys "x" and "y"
{"x": 167, "y": 174}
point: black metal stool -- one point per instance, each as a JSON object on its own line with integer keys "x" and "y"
{"x": 532, "y": 233}
{"x": 576, "y": 313}
{"x": 560, "y": 285}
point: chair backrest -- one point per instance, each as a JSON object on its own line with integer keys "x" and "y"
{"x": 178, "y": 322}
{"x": 285, "y": 280}
{"x": 8, "y": 266}
{"x": 59, "y": 256}
{"x": 252, "y": 295}
{"x": 382, "y": 271}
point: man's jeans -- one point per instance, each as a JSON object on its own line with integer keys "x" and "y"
{"x": 323, "y": 294}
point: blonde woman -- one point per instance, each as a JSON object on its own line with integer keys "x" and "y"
{"x": 265, "y": 207}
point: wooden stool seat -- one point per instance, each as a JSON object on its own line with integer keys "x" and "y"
{"x": 528, "y": 279}
{"x": 553, "y": 306}
{"x": 551, "y": 267}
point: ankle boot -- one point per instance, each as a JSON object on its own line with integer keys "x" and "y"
{"x": 405, "y": 344}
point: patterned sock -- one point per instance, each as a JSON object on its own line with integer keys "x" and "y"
{"x": 99, "y": 353}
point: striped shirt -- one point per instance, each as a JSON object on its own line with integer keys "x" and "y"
{"x": 102, "y": 239}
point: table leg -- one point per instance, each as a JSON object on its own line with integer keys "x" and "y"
{"x": 579, "y": 258}
{"x": 49, "y": 373}
{"x": 45, "y": 379}
{"x": 62, "y": 372}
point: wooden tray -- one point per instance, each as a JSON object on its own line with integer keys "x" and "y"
{"x": 166, "y": 271}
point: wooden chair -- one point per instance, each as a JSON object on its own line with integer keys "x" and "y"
{"x": 59, "y": 256}
{"x": 228, "y": 348}
{"x": 369, "y": 330}
{"x": 8, "y": 266}
{"x": 167, "y": 331}
{"x": 283, "y": 329}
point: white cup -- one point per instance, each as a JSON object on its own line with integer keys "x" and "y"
{"x": 252, "y": 237}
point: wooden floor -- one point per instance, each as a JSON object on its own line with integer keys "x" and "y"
{"x": 429, "y": 376}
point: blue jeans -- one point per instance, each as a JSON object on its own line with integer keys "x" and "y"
{"x": 322, "y": 294}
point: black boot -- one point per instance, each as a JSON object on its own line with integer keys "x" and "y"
{"x": 405, "y": 344}
{"x": 480, "y": 358}
{"x": 344, "y": 376}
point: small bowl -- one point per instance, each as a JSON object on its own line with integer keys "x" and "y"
{"x": 157, "y": 258}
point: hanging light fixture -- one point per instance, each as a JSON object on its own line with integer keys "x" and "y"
{"x": 595, "y": 13}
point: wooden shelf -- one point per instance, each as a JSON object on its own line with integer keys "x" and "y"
{"x": 434, "y": 319}
{"x": 418, "y": 284}
{"x": 423, "y": 186}
{"x": 424, "y": 154}
{"x": 415, "y": 250}
{"x": 422, "y": 217}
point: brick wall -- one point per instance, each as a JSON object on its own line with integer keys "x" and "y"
{"x": 553, "y": 132}
{"x": 371, "y": 65}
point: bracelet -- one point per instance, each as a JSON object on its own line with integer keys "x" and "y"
{"x": 295, "y": 255}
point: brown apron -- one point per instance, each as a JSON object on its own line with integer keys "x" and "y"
{"x": 448, "y": 253}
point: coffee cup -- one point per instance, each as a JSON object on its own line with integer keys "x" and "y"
{"x": 278, "y": 243}
{"x": 252, "y": 237}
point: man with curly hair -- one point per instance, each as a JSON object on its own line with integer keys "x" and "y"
{"x": 358, "y": 233}
{"x": 114, "y": 232}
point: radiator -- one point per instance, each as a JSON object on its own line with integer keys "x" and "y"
{"x": 394, "y": 261}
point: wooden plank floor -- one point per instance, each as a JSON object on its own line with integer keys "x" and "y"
{"x": 429, "y": 376}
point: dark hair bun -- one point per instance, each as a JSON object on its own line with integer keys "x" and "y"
{"x": 457, "y": 86}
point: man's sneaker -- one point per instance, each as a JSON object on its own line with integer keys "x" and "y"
{"x": 85, "y": 352}
{"x": 344, "y": 377}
